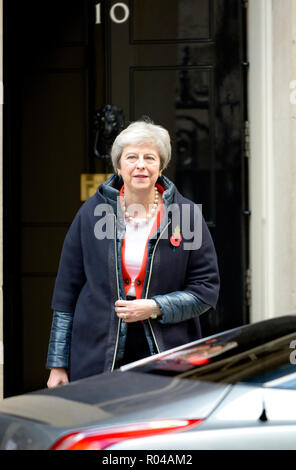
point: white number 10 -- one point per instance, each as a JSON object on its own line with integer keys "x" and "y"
{"x": 112, "y": 13}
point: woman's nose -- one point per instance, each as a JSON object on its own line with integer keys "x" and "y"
{"x": 141, "y": 162}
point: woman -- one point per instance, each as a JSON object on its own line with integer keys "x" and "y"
{"x": 138, "y": 266}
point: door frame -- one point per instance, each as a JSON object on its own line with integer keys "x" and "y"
{"x": 260, "y": 49}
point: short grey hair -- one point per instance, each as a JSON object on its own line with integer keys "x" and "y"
{"x": 141, "y": 132}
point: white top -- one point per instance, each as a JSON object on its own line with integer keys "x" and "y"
{"x": 135, "y": 242}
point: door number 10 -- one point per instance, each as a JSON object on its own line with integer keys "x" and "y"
{"x": 116, "y": 6}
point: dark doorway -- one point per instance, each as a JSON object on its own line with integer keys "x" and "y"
{"x": 182, "y": 62}
{"x": 178, "y": 61}
{"x": 47, "y": 114}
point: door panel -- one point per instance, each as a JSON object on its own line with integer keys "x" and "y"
{"x": 171, "y": 20}
{"x": 46, "y": 69}
{"x": 51, "y": 159}
{"x": 180, "y": 62}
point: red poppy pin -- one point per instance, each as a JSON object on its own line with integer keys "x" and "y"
{"x": 176, "y": 237}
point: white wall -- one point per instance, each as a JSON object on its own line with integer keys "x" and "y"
{"x": 271, "y": 44}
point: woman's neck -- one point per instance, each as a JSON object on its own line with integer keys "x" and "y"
{"x": 144, "y": 199}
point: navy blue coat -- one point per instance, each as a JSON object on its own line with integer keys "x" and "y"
{"x": 89, "y": 280}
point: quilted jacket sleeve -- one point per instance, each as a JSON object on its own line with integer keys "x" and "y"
{"x": 70, "y": 279}
{"x": 179, "y": 306}
{"x": 60, "y": 339}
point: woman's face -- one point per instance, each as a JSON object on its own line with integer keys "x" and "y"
{"x": 139, "y": 166}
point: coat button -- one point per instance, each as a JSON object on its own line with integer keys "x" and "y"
{"x": 138, "y": 282}
{"x": 127, "y": 281}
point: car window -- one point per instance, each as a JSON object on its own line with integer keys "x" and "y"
{"x": 225, "y": 359}
{"x": 285, "y": 380}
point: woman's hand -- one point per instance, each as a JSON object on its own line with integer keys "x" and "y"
{"x": 58, "y": 376}
{"x": 135, "y": 310}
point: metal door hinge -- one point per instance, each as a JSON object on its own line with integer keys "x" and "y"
{"x": 246, "y": 139}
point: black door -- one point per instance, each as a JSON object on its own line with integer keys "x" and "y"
{"x": 182, "y": 63}
{"x": 47, "y": 70}
{"x": 178, "y": 61}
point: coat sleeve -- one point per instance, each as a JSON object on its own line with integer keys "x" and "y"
{"x": 71, "y": 274}
{"x": 201, "y": 285}
{"x": 179, "y": 306}
{"x": 60, "y": 340}
{"x": 70, "y": 279}
{"x": 202, "y": 277}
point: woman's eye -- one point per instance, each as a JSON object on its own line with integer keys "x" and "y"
{"x": 131, "y": 157}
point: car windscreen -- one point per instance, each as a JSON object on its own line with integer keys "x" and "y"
{"x": 230, "y": 359}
